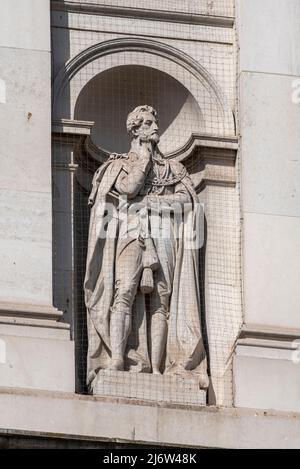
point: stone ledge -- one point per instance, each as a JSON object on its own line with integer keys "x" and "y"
{"x": 265, "y": 332}
{"x": 67, "y": 415}
{"x": 29, "y": 311}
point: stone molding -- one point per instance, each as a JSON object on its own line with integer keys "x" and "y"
{"x": 30, "y": 311}
{"x": 68, "y": 126}
{"x": 143, "y": 14}
{"x": 77, "y": 128}
{"x": 267, "y": 341}
{"x": 33, "y": 322}
{"x": 260, "y": 332}
{"x": 212, "y": 150}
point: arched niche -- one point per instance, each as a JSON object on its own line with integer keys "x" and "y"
{"x": 92, "y": 95}
{"x": 110, "y": 95}
{"x": 217, "y": 117}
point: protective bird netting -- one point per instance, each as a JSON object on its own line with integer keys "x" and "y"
{"x": 147, "y": 303}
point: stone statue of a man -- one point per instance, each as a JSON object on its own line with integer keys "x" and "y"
{"x": 142, "y": 288}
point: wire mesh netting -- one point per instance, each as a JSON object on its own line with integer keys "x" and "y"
{"x": 151, "y": 343}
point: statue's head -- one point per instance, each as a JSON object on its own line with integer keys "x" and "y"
{"x": 142, "y": 123}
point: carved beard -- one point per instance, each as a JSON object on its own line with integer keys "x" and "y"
{"x": 154, "y": 138}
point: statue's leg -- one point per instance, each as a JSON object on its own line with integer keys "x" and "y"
{"x": 158, "y": 341}
{"x": 128, "y": 273}
{"x": 159, "y": 305}
{"x": 120, "y": 326}
{"x": 160, "y": 300}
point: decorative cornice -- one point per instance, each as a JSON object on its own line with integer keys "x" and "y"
{"x": 203, "y": 140}
{"x": 68, "y": 126}
{"x": 213, "y": 149}
{"x": 181, "y": 154}
{"x": 142, "y": 13}
{"x": 77, "y": 128}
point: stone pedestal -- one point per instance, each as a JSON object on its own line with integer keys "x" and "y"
{"x": 143, "y": 386}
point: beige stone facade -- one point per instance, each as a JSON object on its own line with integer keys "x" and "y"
{"x": 225, "y": 87}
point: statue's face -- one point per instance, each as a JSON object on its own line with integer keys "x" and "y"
{"x": 148, "y": 130}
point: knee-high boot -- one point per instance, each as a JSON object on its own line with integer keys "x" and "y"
{"x": 159, "y": 329}
{"x": 120, "y": 326}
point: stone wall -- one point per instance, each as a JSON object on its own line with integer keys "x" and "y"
{"x": 36, "y": 349}
{"x": 266, "y": 375}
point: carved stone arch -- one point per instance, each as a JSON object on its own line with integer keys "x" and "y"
{"x": 217, "y": 133}
{"x": 87, "y": 64}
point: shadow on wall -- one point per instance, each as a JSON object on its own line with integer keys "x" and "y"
{"x": 110, "y": 96}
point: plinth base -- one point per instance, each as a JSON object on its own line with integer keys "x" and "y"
{"x": 145, "y": 386}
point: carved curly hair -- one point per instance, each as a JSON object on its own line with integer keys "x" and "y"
{"x": 135, "y": 118}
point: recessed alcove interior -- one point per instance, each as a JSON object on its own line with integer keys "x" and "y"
{"x": 111, "y": 95}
